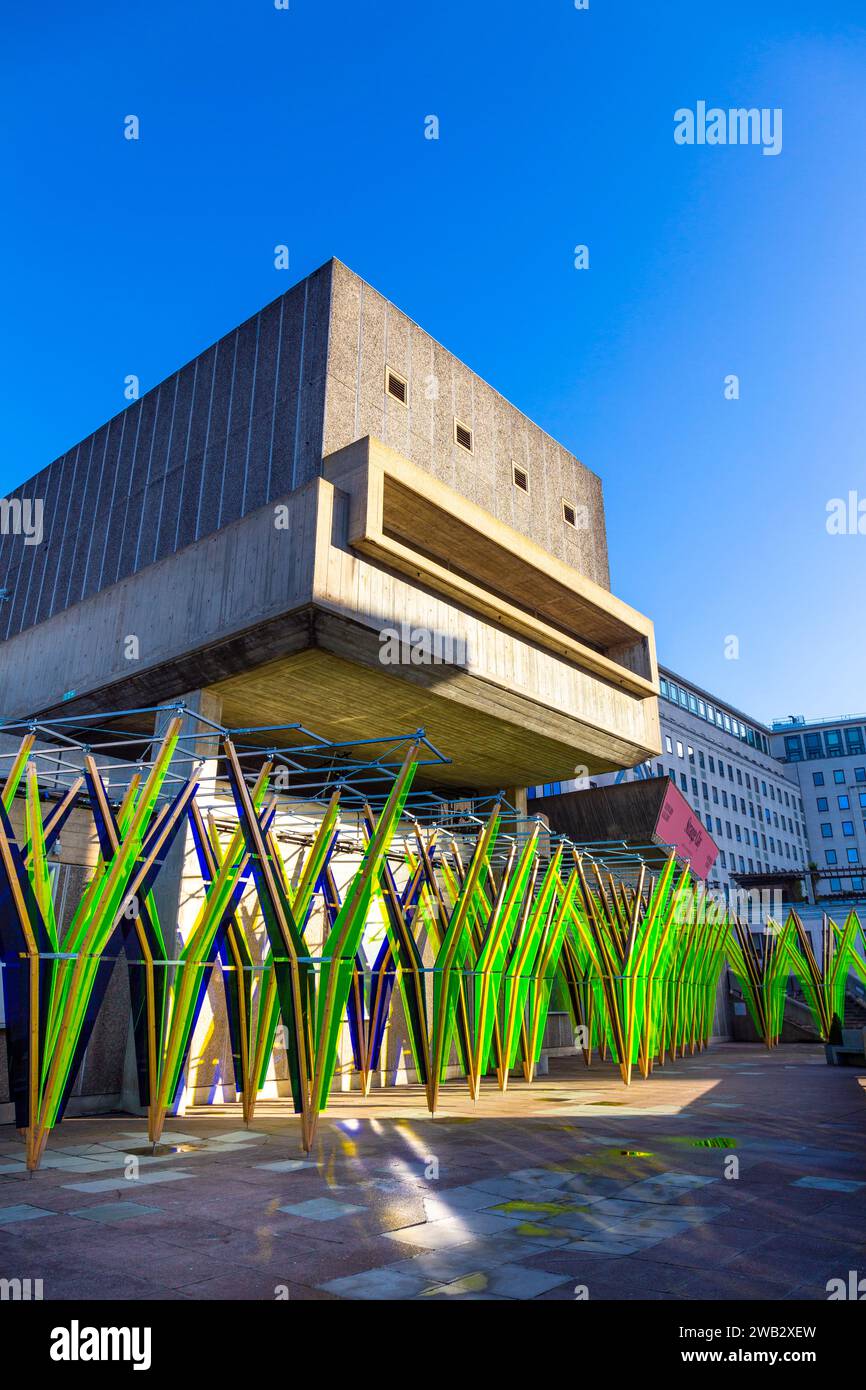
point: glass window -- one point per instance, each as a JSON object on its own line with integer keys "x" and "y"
{"x": 847, "y": 827}
{"x": 844, "y": 804}
{"x": 684, "y": 699}
{"x": 679, "y": 749}
{"x": 693, "y": 703}
{"x": 663, "y": 686}
{"x": 818, "y": 779}
{"x": 793, "y": 748}
{"x": 813, "y": 745}
{"x": 833, "y": 740}
{"x": 863, "y": 799}
{"x": 835, "y": 885}
{"x": 853, "y": 856}
{"x": 823, "y": 804}
{"x": 668, "y": 745}
{"x": 839, "y": 776}
{"x": 854, "y": 740}
{"x": 857, "y": 884}
{"x": 827, "y": 830}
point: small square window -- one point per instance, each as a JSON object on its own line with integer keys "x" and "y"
{"x": 569, "y": 515}
{"x": 463, "y": 436}
{"x": 521, "y": 478}
{"x": 396, "y": 385}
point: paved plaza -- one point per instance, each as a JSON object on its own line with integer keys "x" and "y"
{"x": 736, "y": 1173}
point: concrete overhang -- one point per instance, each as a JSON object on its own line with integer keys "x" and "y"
{"x": 282, "y": 614}
{"x": 402, "y": 516}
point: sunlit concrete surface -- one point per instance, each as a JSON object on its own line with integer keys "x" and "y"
{"x": 736, "y": 1173}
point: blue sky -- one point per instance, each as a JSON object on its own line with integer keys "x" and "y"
{"x": 306, "y": 127}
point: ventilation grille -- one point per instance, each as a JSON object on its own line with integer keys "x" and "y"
{"x": 521, "y": 478}
{"x": 395, "y": 385}
{"x": 568, "y": 514}
{"x": 462, "y": 436}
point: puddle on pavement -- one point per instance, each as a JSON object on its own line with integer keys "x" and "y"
{"x": 716, "y": 1142}
{"x": 163, "y": 1150}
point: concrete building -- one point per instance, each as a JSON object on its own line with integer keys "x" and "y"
{"x": 260, "y": 523}
{"x": 326, "y": 518}
{"x": 828, "y": 759}
{"x": 726, "y": 765}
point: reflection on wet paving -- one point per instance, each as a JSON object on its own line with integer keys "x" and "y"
{"x": 643, "y": 1199}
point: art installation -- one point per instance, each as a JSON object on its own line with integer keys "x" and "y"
{"x": 456, "y": 925}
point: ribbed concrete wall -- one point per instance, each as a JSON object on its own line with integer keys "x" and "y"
{"x": 251, "y": 418}
{"x": 235, "y": 428}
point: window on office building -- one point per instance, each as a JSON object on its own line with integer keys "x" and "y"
{"x": 839, "y": 776}
{"x": 823, "y": 804}
{"x": 853, "y": 856}
{"x": 826, "y": 830}
{"x": 831, "y": 856}
{"x": 818, "y": 779}
{"x": 679, "y": 749}
{"x": 844, "y": 804}
{"x": 813, "y": 746}
{"x": 793, "y": 748}
{"x": 847, "y": 827}
{"x": 833, "y": 739}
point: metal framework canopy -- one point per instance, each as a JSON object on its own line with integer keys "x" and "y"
{"x": 331, "y": 897}
{"x": 305, "y": 770}
{"x": 123, "y": 743}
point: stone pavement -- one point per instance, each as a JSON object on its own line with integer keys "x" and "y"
{"x": 736, "y": 1173}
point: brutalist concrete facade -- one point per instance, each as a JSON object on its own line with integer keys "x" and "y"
{"x": 250, "y": 420}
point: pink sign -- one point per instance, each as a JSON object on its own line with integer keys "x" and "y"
{"x": 679, "y": 827}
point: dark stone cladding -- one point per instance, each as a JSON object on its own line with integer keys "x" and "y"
{"x": 239, "y": 425}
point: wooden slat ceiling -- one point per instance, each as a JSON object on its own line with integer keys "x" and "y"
{"x": 344, "y": 700}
